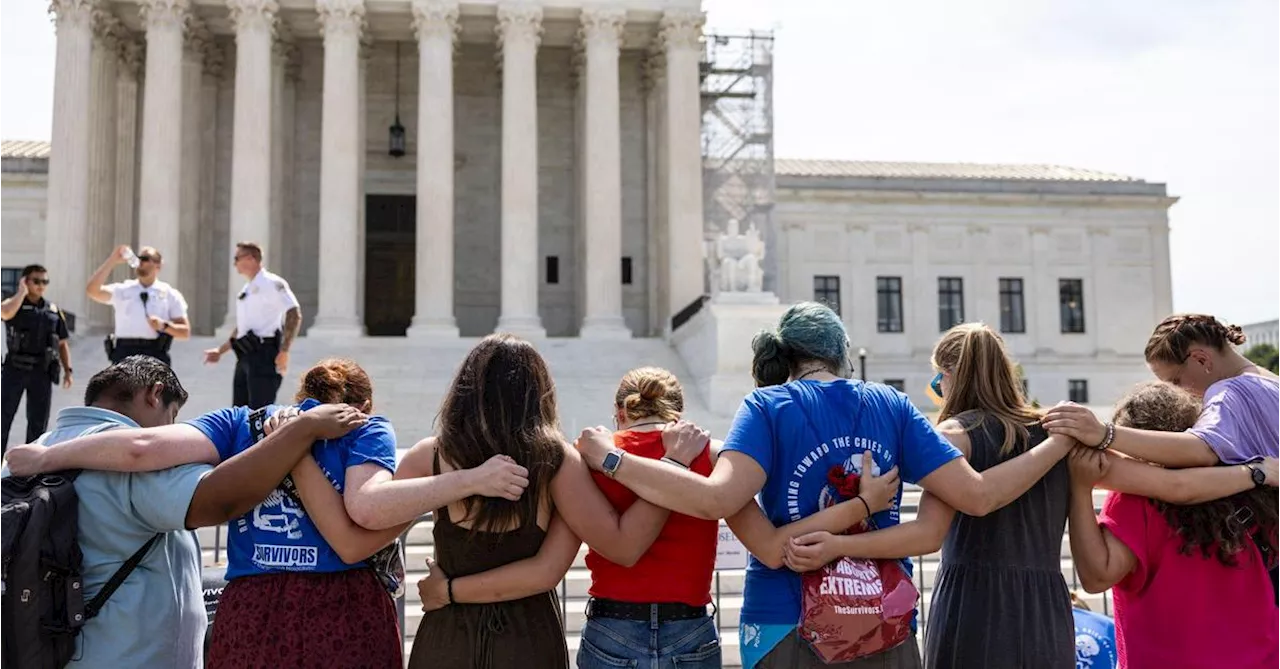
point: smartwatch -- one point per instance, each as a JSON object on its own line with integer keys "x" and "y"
{"x": 1259, "y": 477}
{"x": 612, "y": 460}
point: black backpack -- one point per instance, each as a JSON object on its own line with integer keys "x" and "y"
{"x": 42, "y": 605}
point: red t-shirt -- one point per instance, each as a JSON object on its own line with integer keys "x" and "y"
{"x": 679, "y": 564}
{"x": 1187, "y": 611}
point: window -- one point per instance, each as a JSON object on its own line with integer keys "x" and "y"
{"x": 9, "y": 280}
{"x": 1071, "y": 304}
{"x": 626, "y": 270}
{"x": 1078, "y": 391}
{"x": 1012, "y": 315}
{"x": 889, "y": 304}
{"x": 950, "y": 302}
{"x": 897, "y": 384}
{"x": 826, "y": 290}
{"x": 553, "y": 269}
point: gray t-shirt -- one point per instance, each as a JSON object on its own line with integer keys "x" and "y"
{"x": 156, "y": 618}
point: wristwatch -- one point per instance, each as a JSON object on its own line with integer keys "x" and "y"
{"x": 612, "y": 460}
{"x": 1259, "y": 477}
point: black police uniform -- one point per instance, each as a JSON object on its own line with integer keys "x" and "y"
{"x": 32, "y": 364}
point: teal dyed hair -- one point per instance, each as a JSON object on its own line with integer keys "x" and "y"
{"x": 808, "y": 331}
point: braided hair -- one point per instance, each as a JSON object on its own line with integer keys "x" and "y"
{"x": 1173, "y": 338}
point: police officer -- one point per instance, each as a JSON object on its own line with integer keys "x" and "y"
{"x": 36, "y": 334}
{"x": 267, "y": 321}
{"x": 149, "y": 313}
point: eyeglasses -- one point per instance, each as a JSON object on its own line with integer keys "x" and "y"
{"x": 39, "y": 282}
{"x": 145, "y": 258}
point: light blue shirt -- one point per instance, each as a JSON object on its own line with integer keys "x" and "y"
{"x": 156, "y": 618}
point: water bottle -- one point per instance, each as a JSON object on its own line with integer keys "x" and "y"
{"x": 131, "y": 258}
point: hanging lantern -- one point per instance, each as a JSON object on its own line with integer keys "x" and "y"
{"x": 397, "y": 139}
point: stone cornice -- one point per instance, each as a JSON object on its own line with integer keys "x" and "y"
{"x": 519, "y": 21}
{"x": 435, "y": 19}
{"x": 985, "y": 199}
{"x": 72, "y": 12}
{"x": 164, "y": 13}
{"x": 340, "y": 17}
{"x": 680, "y": 29}
{"x": 253, "y": 15}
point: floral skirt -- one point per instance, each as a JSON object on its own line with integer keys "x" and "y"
{"x": 339, "y": 620}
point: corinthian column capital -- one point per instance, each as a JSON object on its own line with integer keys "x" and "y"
{"x": 602, "y": 26}
{"x": 198, "y": 38}
{"x": 519, "y": 21}
{"x": 130, "y": 52}
{"x": 680, "y": 29}
{"x": 72, "y": 12}
{"x": 250, "y": 15}
{"x": 435, "y": 18}
{"x": 341, "y": 17}
{"x": 107, "y": 29}
{"x": 164, "y": 13}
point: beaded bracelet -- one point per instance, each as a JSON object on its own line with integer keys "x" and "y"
{"x": 1109, "y": 439}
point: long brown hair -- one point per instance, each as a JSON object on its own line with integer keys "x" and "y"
{"x": 983, "y": 378}
{"x": 334, "y": 380}
{"x": 503, "y": 402}
{"x": 1221, "y": 528}
{"x": 1172, "y": 339}
{"x": 650, "y": 391}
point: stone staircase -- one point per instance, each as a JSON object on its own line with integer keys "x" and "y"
{"x": 727, "y": 586}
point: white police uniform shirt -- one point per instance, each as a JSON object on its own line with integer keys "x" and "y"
{"x": 131, "y": 311}
{"x": 262, "y": 304}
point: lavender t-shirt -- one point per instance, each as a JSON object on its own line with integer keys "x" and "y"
{"x": 1241, "y": 418}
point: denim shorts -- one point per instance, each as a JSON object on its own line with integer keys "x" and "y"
{"x": 609, "y": 643}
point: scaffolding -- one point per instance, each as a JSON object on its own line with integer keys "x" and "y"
{"x": 737, "y": 139}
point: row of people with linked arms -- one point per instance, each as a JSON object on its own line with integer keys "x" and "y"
{"x": 1188, "y": 547}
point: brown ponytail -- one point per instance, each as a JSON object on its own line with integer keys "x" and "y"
{"x": 334, "y": 380}
{"x": 1172, "y": 339}
{"x": 650, "y": 392}
{"x": 983, "y": 378}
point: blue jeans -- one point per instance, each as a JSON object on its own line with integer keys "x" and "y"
{"x": 608, "y": 643}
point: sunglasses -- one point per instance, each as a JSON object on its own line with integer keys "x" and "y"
{"x": 145, "y": 258}
{"x": 936, "y": 384}
{"x": 38, "y": 282}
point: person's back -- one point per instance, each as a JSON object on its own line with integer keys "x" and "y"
{"x": 999, "y": 599}
{"x": 1232, "y": 605}
{"x": 156, "y": 618}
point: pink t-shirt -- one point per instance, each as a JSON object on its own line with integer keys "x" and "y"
{"x": 1187, "y": 611}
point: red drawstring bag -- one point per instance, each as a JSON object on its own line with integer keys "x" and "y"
{"x": 855, "y": 607}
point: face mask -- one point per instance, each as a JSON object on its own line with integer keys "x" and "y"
{"x": 934, "y": 391}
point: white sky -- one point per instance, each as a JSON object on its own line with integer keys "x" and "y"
{"x": 1185, "y": 92}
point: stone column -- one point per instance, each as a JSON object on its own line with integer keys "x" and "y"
{"x": 1161, "y": 278}
{"x": 282, "y": 49}
{"x": 254, "y": 22}
{"x": 160, "y": 204}
{"x": 519, "y": 33}
{"x": 601, "y": 35}
{"x": 436, "y": 24}
{"x": 68, "y": 204}
{"x": 983, "y": 292}
{"x": 193, "y": 120}
{"x": 362, "y": 161}
{"x": 920, "y": 294}
{"x": 341, "y": 22}
{"x": 1040, "y": 297}
{"x": 204, "y": 314}
{"x": 679, "y": 33}
{"x": 126, "y": 181}
{"x": 102, "y": 154}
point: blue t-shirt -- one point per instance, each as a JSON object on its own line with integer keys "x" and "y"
{"x": 1095, "y": 640}
{"x": 799, "y": 432}
{"x": 278, "y": 536}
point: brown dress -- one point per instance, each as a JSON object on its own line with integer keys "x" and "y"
{"x": 522, "y": 634}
